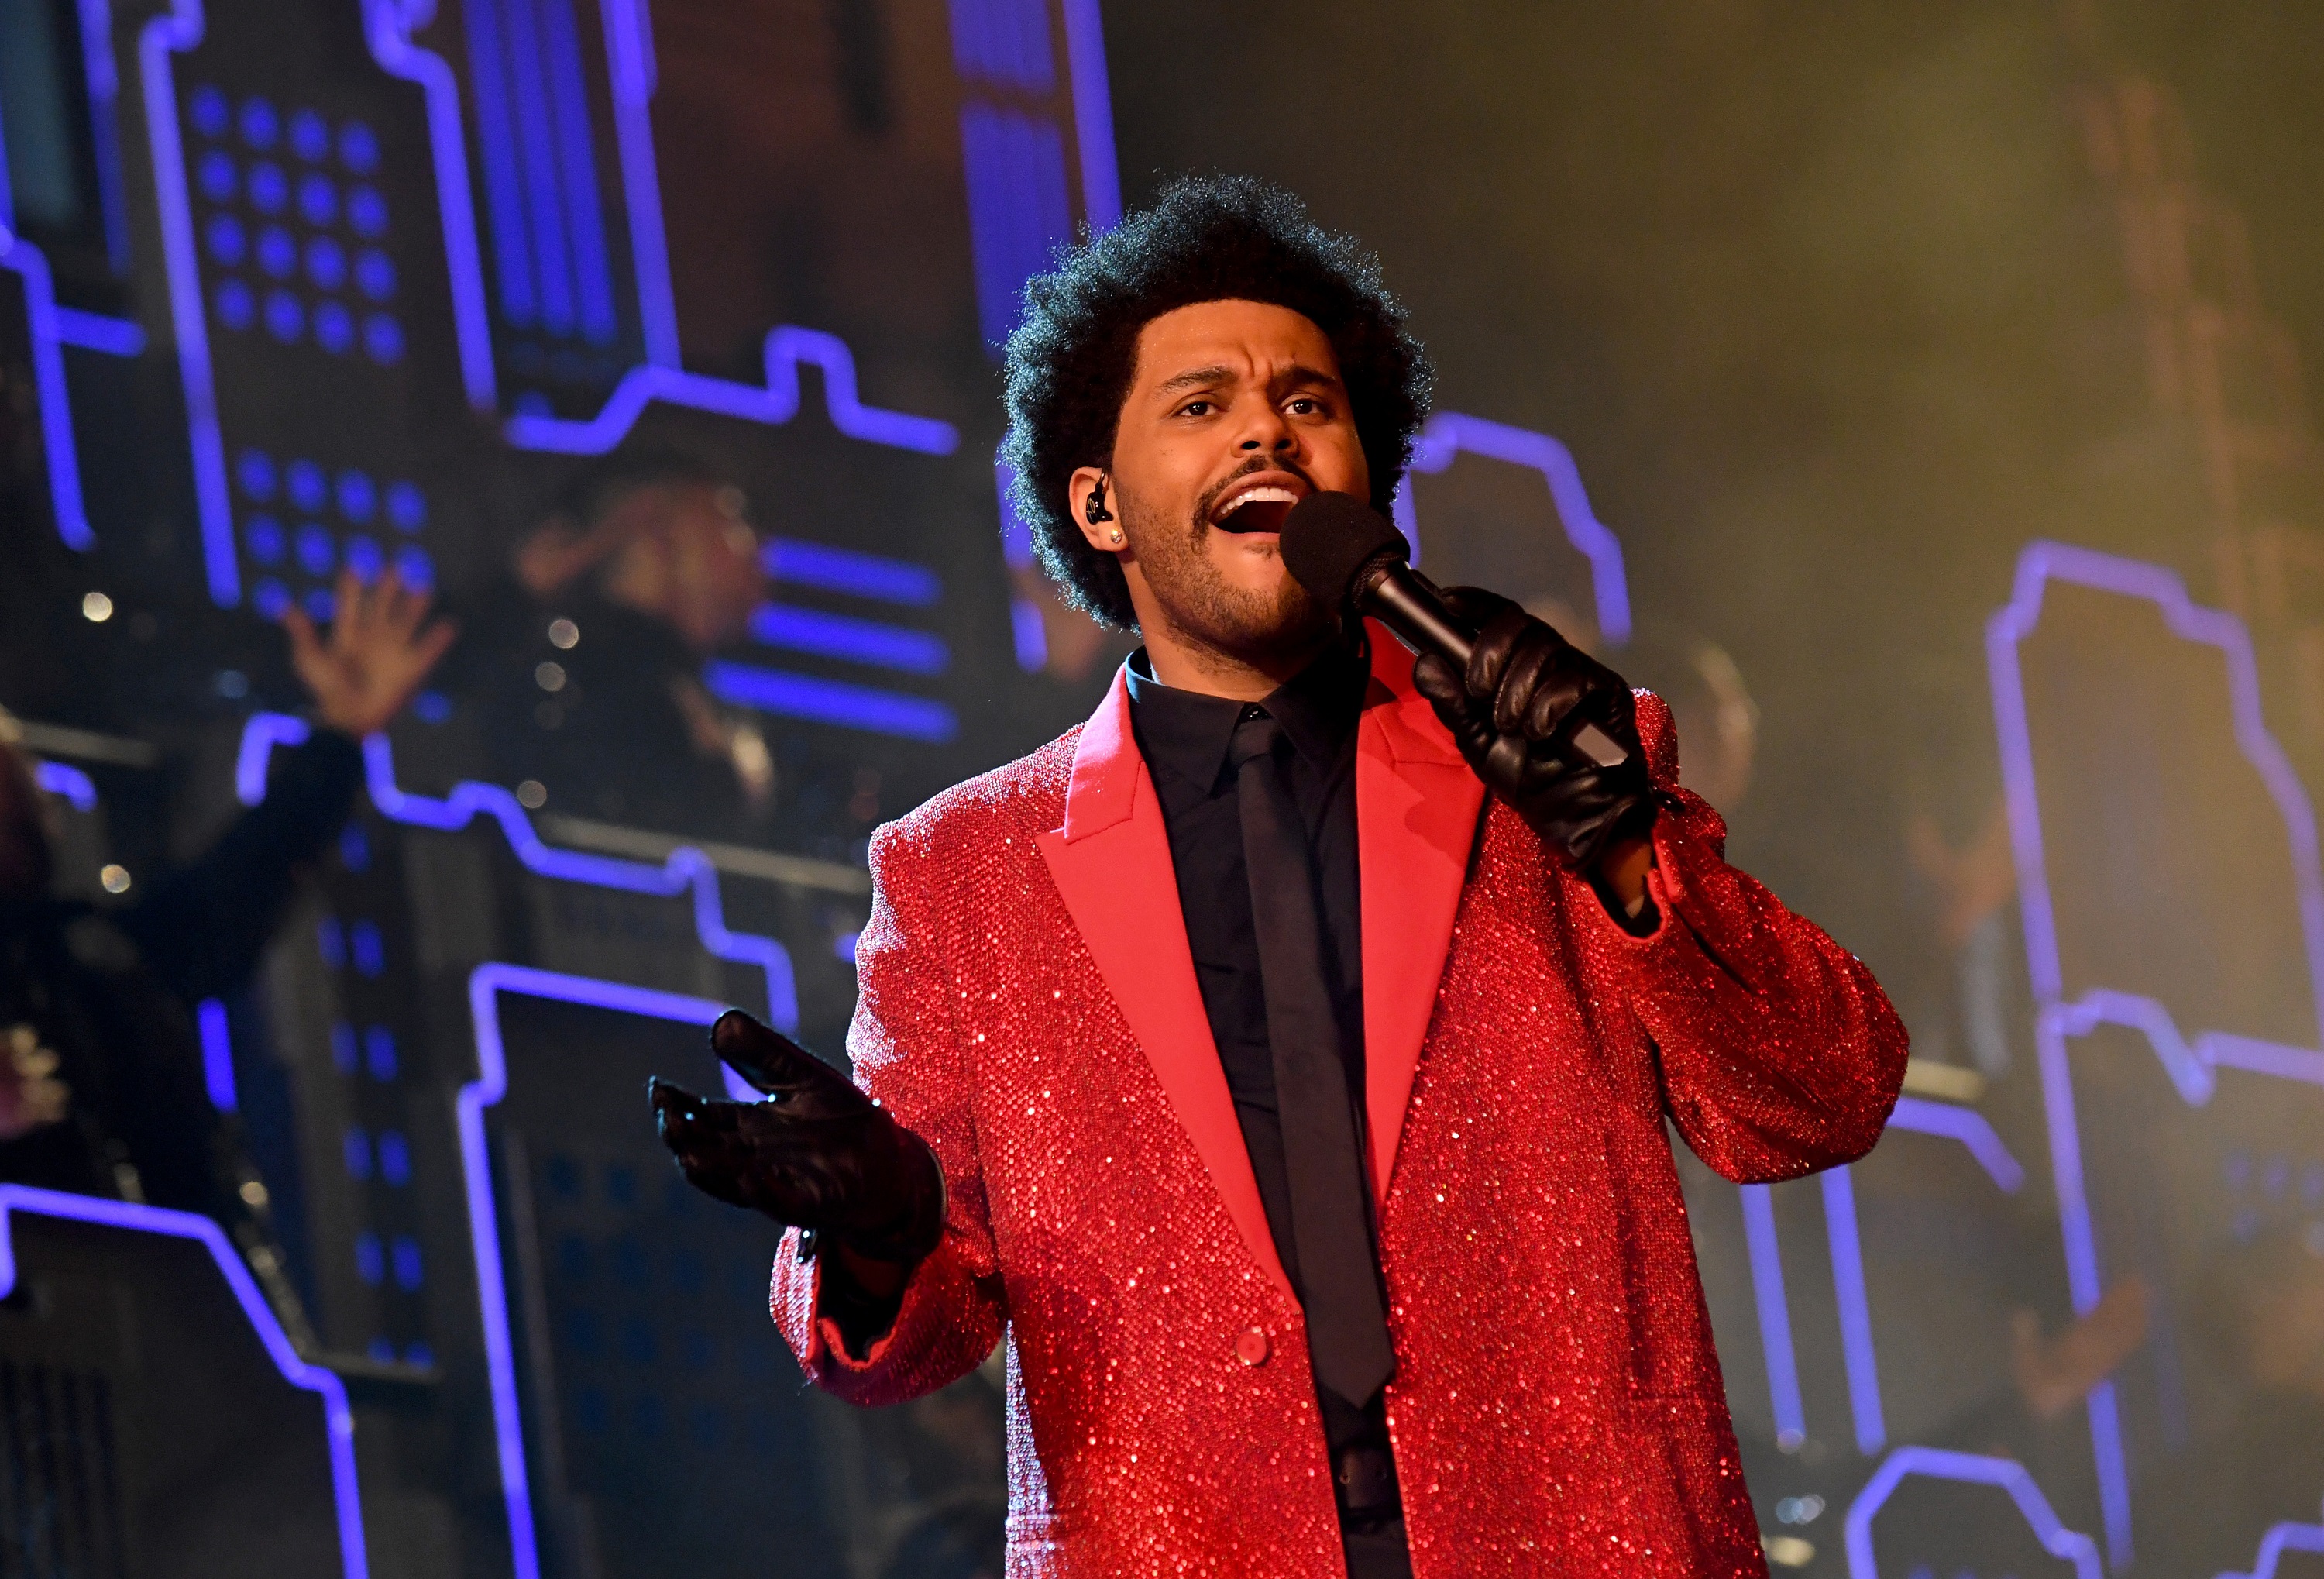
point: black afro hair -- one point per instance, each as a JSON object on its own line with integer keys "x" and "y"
{"x": 1206, "y": 238}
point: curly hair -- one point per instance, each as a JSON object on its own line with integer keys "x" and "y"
{"x": 1206, "y": 238}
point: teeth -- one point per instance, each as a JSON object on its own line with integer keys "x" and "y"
{"x": 1266, "y": 493}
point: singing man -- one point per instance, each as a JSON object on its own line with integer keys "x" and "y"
{"x": 1280, "y": 1062}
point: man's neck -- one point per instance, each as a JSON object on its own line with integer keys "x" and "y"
{"x": 1190, "y": 666}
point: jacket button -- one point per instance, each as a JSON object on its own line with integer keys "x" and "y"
{"x": 1250, "y": 1347}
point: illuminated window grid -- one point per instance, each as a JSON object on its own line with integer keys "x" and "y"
{"x": 301, "y": 522}
{"x": 293, "y": 226}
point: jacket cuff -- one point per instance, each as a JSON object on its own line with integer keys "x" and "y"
{"x": 818, "y": 1325}
{"x": 1671, "y": 881}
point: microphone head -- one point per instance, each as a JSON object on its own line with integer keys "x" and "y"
{"x": 1328, "y": 539}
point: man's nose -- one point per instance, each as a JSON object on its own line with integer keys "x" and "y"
{"x": 1269, "y": 432}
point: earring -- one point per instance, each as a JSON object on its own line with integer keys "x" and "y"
{"x": 1114, "y": 536}
{"x": 1093, "y": 508}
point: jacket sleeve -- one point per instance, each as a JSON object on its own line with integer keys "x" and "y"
{"x": 909, "y": 1055}
{"x": 1778, "y": 1053}
{"x": 203, "y": 926}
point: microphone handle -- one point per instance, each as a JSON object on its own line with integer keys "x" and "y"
{"x": 1413, "y": 607}
{"x": 1408, "y": 604}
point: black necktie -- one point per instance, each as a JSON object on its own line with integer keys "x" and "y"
{"x": 1346, "y": 1327}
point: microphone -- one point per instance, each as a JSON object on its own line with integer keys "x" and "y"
{"x": 1350, "y": 556}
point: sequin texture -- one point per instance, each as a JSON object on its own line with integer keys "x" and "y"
{"x": 1557, "y": 1408}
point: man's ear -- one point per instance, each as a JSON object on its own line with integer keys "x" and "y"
{"x": 1090, "y": 493}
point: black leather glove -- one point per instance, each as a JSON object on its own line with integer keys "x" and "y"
{"x": 1514, "y": 715}
{"x": 822, "y": 1155}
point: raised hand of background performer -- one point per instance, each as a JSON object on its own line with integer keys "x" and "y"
{"x": 1514, "y": 714}
{"x": 380, "y": 647}
{"x": 821, "y": 1155}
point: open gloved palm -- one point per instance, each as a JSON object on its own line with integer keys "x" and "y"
{"x": 820, "y": 1155}
{"x": 1515, "y": 714}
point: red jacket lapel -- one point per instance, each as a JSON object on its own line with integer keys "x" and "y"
{"x": 1416, "y": 823}
{"x": 1417, "y": 819}
{"x": 1111, "y": 864}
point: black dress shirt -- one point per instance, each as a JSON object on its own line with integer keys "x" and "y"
{"x": 1184, "y": 737}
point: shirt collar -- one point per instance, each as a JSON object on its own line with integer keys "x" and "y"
{"x": 1189, "y": 732}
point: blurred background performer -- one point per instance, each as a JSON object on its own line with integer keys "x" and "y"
{"x": 583, "y": 660}
{"x": 101, "y": 1081}
{"x": 1283, "y": 1056}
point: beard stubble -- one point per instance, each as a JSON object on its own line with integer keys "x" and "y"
{"x": 1245, "y": 626}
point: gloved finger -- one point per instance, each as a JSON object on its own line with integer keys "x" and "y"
{"x": 680, "y": 1117}
{"x": 1474, "y": 606}
{"x": 1436, "y": 679}
{"x": 1532, "y": 662}
{"x": 1562, "y": 701}
{"x": 712, "y": 1156}
{"x": 1505, "y": 759}
{"x": 1497, "y": 644}
{"x": 771, "y": 1061}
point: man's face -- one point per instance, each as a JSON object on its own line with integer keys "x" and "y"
{"x": 1235, "y": 412}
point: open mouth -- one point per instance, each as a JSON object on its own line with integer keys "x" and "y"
{"x": 1260, "y": 507}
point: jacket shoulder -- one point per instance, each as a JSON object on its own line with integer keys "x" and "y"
{"x": 1018, "y": 799}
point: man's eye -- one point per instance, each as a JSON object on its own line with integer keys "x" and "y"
{"x": 1195, "y": 409}
{"x": 1305, "y": 405}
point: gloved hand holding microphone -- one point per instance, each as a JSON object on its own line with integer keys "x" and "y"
{"x": 1550, "y": 730}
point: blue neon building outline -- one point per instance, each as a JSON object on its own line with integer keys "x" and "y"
{"x": 2278, "y": 1540}
{"x": 386, "y": 30}
{"x": 486, "y": 983}
{"x": 387, "y": 33}
{"x": 99, "y": 332}
{"x": 66, "y": 783}
{"x": 686, "y": 871}
{"x": 104, "y": 104}
{"x": 387, "y": 26}
{"x": 1971, "y": 1128}
{"x": 45, "y": 321}
{"x": 1451, "y": 434}
{"x": 788, "y": 345}
{"x": 218, "y": 1054}
{"x": 1857, "y": 1357}
{"x": 1973, "y": 1469}
{"x": 1093, "y": 114}
{"x": 2190, "y": 1063}
{"x": 629, "y": 47}
{"x": 339, "y": 1423}
{"x": 1763, "y": 1248}
{"x": 175, "y": 33}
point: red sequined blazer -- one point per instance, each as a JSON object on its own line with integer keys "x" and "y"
{"x": 1029, "y": 1007}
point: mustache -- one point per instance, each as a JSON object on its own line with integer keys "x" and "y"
{"x": 1258, "y": 463}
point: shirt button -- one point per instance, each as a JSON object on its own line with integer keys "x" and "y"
{"x": 1250, "y": 1347}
